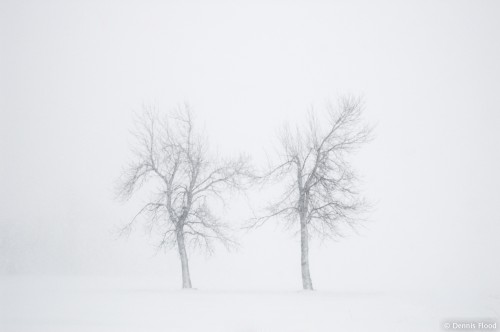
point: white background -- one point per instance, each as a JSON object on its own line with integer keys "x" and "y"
{"x": 72, "y": 74}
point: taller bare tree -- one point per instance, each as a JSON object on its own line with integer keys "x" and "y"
{"x": 186, "y": 180}
{"x": 320, "y": 189}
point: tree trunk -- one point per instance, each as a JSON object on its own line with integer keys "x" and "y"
{"x": 186, "y": 279}
{"x": 304, "y": 256}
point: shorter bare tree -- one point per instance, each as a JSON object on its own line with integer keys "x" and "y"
{"x": 320, "y": 184}
{"x": 186, "y": 179}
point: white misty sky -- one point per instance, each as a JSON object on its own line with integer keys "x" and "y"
{"x": 72, "y": 73}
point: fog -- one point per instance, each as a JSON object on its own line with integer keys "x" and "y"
{"x": 72, "y": 74}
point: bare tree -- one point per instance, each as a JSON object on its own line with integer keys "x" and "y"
{"x": 320, "y": 189}
{"x": 172, "y": 157}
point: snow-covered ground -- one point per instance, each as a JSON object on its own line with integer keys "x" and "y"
{"x": 114, "y": 304}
